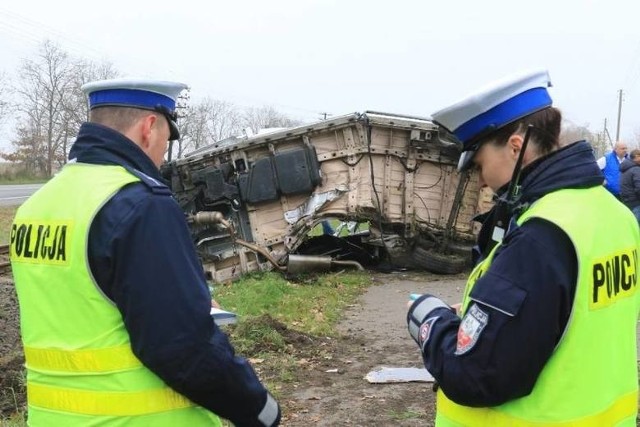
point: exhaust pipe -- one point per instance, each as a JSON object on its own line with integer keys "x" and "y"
{"x": 297, "y": 264}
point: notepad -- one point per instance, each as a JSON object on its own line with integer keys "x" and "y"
{"x": 223, "y": 317}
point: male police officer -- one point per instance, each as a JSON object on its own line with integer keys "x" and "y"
{"x": 548, "y": 329}
{"x": 114, "y": 304}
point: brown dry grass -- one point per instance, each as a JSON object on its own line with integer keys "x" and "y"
{"x": 6, "y": 217}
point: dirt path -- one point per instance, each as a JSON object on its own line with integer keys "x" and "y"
{"x": 375, "y": 335}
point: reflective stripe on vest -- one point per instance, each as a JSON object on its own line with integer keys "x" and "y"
{"x": 604, "y": 316}
{"x": 89, "y": 360}
{"x": 91, "y": 402}
{"x": 622, "y": 409}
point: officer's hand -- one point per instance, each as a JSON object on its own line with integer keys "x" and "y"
{"x": 422, "y": 316}
{"x": 457, "y": 307}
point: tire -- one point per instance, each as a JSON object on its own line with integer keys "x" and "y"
{"x": 425, "y": 242}
{"x": 463, "y": 249}
{"x": 438, "y": 263}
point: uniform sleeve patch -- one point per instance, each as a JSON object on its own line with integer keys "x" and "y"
{"x": 472, "y": 325}
{"x": 425, "y": 331}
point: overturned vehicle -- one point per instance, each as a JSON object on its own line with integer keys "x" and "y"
{"x": 383, "y": 186}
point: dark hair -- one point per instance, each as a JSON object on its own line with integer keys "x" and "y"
{"x": 634, "y": 153}
{"x": 545, "y": 133}
{"x": 118, "y": 118}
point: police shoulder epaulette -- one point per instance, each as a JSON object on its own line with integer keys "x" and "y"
{"x": 156, "y": 186}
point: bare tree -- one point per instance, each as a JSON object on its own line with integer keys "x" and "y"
{"x": 4, "y": 89}
{"x": 212, "y": 120}
{"x": 572, "y": 133}
{"x": 52, "y": 106}
{"x": 75, "y": 105}
{"x": 43, "y": 83}
{"x": 266, "y": 117}
{"x": 635, "y": 140}
{"x": 29, "y": 150}
{"x": 208, "y": 121}
{"x": 224, "y": 120}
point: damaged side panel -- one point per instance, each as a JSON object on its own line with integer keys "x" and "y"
{"x": 252, "y": 204}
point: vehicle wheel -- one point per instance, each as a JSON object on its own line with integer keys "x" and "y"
{"x": 425, "y": 242}
{"x": 438, "y": 263}
{"x": 464, "y": 249}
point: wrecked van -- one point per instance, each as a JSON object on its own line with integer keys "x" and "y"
{"x": 386, "y": 186}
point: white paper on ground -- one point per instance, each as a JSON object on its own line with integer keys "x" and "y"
{"x": 399, "y": 375}
{"x": 223, "y": 317}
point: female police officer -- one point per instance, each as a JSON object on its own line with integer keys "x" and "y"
{"x": 548, "y": 328}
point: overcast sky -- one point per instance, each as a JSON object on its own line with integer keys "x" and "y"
{"x": 310, "y": 57}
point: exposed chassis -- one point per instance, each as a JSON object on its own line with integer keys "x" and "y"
{"x": 252, "y": 201}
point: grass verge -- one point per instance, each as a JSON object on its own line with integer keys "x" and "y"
{"x": 280, "y": 320}
{"x": 312, "y": 304}
{"x": 6, "y": 218}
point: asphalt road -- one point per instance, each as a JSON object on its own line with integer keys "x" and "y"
{"x": 11, "y": 195}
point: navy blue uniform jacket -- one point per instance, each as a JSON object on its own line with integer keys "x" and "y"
{"x": 534, "y": 276}
{"x": 143, "y": 259}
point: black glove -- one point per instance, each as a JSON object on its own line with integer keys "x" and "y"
{"x": 421, "y": 317}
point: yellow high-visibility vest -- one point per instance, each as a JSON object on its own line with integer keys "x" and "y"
{"x": 80, "y": 367}
{"x": 592, "y": 378}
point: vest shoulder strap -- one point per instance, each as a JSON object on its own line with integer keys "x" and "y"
{"x": 156, "y": 186}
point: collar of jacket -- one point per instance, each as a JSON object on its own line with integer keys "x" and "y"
{"x": 98, "y": 144}
{"x": 572, "y": 166}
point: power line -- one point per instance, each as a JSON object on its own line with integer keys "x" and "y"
{"x": 19, "y": 32}
{"x": 35, "y": 31}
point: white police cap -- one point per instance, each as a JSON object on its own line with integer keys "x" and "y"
{"x": 154, "y": 95}
{"x": 493, "y": 107}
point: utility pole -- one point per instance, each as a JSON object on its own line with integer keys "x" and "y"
{"x": 602, "y": 146}
{"x": 606, "y": 132}
{"x": 619, "y": 114}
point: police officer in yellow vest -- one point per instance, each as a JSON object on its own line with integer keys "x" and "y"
{"x": 113, "y": 300}
{"x": 546, "y": 334}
